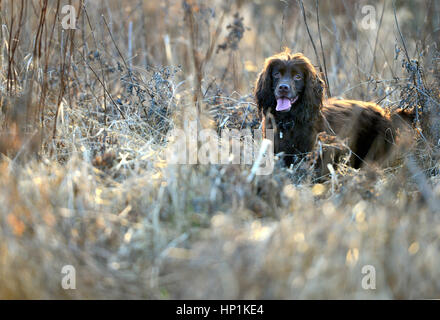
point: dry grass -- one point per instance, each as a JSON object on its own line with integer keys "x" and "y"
{"x": 84, "y": 181}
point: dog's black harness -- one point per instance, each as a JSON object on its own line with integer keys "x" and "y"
{"x": 282, "y": 126}
{"x": 286, "y": 125}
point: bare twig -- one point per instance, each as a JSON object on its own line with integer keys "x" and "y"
{"x": 105, "y": 89}
{"x": 373, "y": 62}
{"x": 114, "y": 42}
{"x": 409, "y": 62}
{"x": 322, "y": 50}
{"x": 300, "y": 2}
{"x": 400, "y": 33}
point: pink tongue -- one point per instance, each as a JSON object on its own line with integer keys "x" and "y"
{"x": 283, "y": 104}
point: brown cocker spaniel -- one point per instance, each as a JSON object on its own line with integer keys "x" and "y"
{"x": 290, "y": 97}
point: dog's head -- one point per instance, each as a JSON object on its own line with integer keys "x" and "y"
{"x": 287, "y": 83}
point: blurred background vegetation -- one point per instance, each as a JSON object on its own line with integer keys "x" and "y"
{"x": 83, "y": 134}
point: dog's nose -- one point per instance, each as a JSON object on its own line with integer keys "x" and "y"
{"x": 283, "y": 88}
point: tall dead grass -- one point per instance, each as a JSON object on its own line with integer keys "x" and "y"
{"x": 84, "y": 179}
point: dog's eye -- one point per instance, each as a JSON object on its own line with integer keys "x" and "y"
{"x": 276, "y": 74}
{"x": 297, "y": 77}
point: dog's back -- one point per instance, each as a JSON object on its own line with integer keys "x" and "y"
{"x": 370, "y": 132}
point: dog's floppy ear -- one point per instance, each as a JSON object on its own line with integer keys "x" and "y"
{"x": 264, "y": 95}
{"x": 314, "y": 88}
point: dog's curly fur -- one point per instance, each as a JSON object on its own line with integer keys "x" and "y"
{"x": 370, "y": 132}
